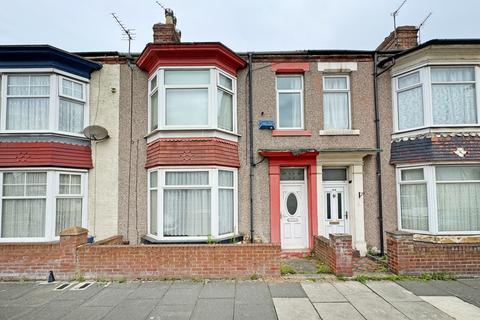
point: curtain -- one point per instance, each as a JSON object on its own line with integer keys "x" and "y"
{"x": 414, "y": 208}
{"x": 23, "y": 218}
{"x": 225, "y": 211}
{"x": 225, "y": 110}
{"x": 458, "y": 206}
{"x": 187, "y": 77}
{"x": 335, "y": 110}
{"x": 69, "y": 213}
{"x": 154, "y": 111}
{"x": 72, "y": 89}
{"x": 336, "y": 83}
{"x": 153, "y": 212}
{"x": 27, "y": 113}
{"x": 454, "y": 104}
{"x": 71, "y": 116}
{"x": 187, "y": 107}
{"x": 24, "y": 85}
{"x": 289, "y": 110}
{"x": 410, "y": 108}
{"x": 289, "y": 83}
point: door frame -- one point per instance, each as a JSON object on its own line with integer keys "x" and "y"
{"x": 279, "y": 159}
{"x": 344, "y": 185}
{"x": 303, "y": 184}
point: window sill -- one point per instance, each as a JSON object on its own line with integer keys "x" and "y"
{"x": 191, "y": 133}
{"x": 339, "y": 132}
{"x": 188, "y": 240}
{"x": 438, "y": 129}
{"x": 291, "y": 133}
{"x": 450, "y": 239}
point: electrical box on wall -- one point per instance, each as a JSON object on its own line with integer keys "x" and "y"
{"x": 266, "y": 124}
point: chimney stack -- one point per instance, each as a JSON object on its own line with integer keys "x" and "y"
{"x": 404, "y": 37}
{"x": 166, "y": 33}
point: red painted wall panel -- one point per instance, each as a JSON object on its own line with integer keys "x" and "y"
{"x": 192, "y": 151}
{"x": 45, "y": 154}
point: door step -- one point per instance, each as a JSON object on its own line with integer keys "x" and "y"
{"x": 295, "y": 253}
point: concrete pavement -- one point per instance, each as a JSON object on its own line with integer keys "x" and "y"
{"x": 242, "y": 300}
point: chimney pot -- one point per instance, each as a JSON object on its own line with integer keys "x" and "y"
{"x": 167, "y": 32}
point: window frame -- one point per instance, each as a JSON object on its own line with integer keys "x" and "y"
{"x": 52, "y": 193}
{"x": 426, "y": 84}
{"x": 430, "y": 180}
{"x": 349, "y": 98}
{"x": 54, "y": 96}
{"x": 302, "y": 103}
{"x": 212, "y": 87}
{"x": 213, "y": 186}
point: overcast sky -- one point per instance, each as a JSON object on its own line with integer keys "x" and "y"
{"x": 242, "y": 25}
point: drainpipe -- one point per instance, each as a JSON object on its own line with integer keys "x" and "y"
{"x": 250, "y": 140}
{"x": 378, "y": 161}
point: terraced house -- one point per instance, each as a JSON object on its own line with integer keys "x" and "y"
{"x": 307, "y": 150}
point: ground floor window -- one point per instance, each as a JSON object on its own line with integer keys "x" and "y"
{"x": 198, "y": 203}
{"x": 439, "y": 199}
{"x": 36, "y": 205}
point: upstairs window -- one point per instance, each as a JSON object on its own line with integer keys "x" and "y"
{"x": 43, "y": 103}
{"x": 436, "y": 97}
{"x": 192, "y": 99}
{"x": 336, "y": 102}
{"x": 290, "y": 102}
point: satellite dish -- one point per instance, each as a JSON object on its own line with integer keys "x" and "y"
{"x": 95, "y": 133}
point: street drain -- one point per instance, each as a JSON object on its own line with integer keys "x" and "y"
{"x": 82, "y": 286}
{"x": 63, "y": 286}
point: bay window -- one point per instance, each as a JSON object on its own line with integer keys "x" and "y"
{"x": 197, "y": 98}
{"x": 193, "y": 204}
{"x": 38, "y": 205}
{"x": 290, "y": 102}
{"x": 336, "y": 102}
{"x": 43, "y": 103}
{"x": 440, "y": 199}
{"x": 436, "y": 96}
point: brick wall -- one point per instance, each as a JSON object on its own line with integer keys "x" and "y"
{"x": 409, "y": 256}
{"x": 111, "y": 258}
{"x": 35, "y": 260}
{"x": 336, "y": 253}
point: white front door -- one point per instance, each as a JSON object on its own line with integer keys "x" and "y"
{"x": 293, "y": 215}
{"x": 336, "y": 214}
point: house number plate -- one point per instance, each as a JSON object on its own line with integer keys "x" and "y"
{"x": 292, "y": 219}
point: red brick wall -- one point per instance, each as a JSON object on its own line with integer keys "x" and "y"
{"x": 211, "y": 261}
{"x": 111, "y": 258}
{"x": 35, "y": 260}
{"x": 407, "y": 256}
{"x": 336, "y": 253}
{"x": 192, "y": 151}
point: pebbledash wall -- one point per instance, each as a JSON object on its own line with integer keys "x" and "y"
{"x": 111, "y": 258}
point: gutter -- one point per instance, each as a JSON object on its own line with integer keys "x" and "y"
{"x": 250, "y": 141}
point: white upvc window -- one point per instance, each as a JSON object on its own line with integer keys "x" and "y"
{"x": 192, "y": 98}
{"x": 289, "y": 101}
{"x": 436, "y": 96}
{"x": 192, "y": 204}
{"x": 440, "y": 199}
{"x": 43, "y": 102}
{"x": 336, "y": 102}
{"x": 37, "y": 204}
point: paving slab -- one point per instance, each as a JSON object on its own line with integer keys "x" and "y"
{"x": 9, "y": 313}
{"x": 252, "y": 292}
{"x": 207, "y": 309}
{"x": 150, "y": 291}
{"x": 171, "y": 312}
{"x": 337, "y": 311}
{"x": 52, "y": 310}
{"x": 218, "y": 289}
{"x": 108, "y": 297}
{"x": 295, "y": 309}
{"x": 461, "y": 290}
{"x": 131, "y": 309}
{"x": 455, "y": 307}
{"x": 124, "y": 285}
{"x": 474, "y": 283}
{"x": 38, "y": 295}
{"x": 11, "y": 291}
{"x": 245, "y": 311}
{"x": 322, "y": 292}
{"x": 422, "y": 288}
{"x": 351, "y": 288}
{"x": 88, "y": 313}
{"x": 421, "y": 311}
{"x": 181, "y": 295}
{"x": 372, "y": 307}
{"x": 286, "y": 290}
{"x": 391, "y": 291}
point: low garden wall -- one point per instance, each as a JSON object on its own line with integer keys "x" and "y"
{"x": 111, "y": 258}
{"x": 413, "y": 256}
{"x": 336, "y": 253}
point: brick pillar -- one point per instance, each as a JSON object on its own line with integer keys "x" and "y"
{"x": 342, "y": 254}
{"x": 70, "y": 240}
{"x": 399, "y": 251}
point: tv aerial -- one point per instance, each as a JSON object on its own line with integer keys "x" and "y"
{"x": 421, "y": 25}
{"x": 394, "y": 14}
{"x": 128, "y": 34}
{"x": 95, "y": 133}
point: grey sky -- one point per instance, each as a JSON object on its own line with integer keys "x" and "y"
{"x": 244, "y": 25}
